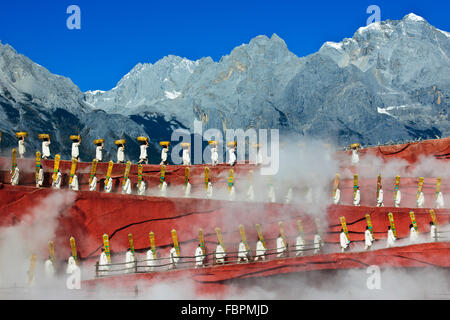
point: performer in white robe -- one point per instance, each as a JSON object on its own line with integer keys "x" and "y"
{"x": 214, "y": 156}
{"x": 232, "y": 156}
{"x": 56, "y": 184}
{"x": 126, "y": 189}
{"x": 413, "y": 236}
{"x": 93, "y": 184}
{"x": 259, "y": 157}
{"x": 74, "y": 185}
{"x": 281, "y": 247}
{"x": 71, "y": 265}
{"x": 368, "y": 239}
{"x": 75, "y": 149}
{"x": 22, "y": 148}
{"x": 121, "y": 154}
{"x": 164, "y": 154}
{"x": 187, "y": 190}
{"x": 242, "y": 252}
{"x": 209, "y": 191}
{"x": 220, "y": 254}
{"x": 173, "y": 258}
{"x": 317, "y": 243}
{"x": 288, "y": 199}
{"x": 260, "y": 251}
{"x": 46, "y": 149}
{"x": 271, "y": 194}
{"x": 398, "y": 199}
{"x": 186, "y": 157}
{"x": 355, "y": 157}
{"x": 343, "y": 241}
{"x": 99, "y": 152}
{"x": 390, "y": 238}
{"x": 15, "y": 176}
{"x": 337, "y": 196}
{"x": 143, "y": 157}
{"x": 433, "y": 232}
{"x": 151, "y": 262}
{"x": 232, "y": 194}
{"x": 309, "y": 195}
{"x": 439, "y": 201}
{"x": 141, "y": 188}
{"x": 129, "y": 261}
{"x": 103, "y": 265}
{"x": 357, "y": 198}
{"x": 299, "y": 245}
{"x": 109, "y": 185}
{"x": 420, "y": 200}
{"x": 163, "y": 189}
{"x": 250, "y": 193}
{"x": 380, "y": 198}
{"x": 199, "y": 257}
{"x": 49, "y": 268}
{"x": 40, "y": 179}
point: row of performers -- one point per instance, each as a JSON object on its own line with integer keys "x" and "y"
{"x": 439, "y": 201}
{"x": 243, "y": 255}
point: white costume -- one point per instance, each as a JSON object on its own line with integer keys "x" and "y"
{"x": 150, "y": 260}
{"x": 421, "y": 200}
{"x": 163, "y": 189}
{"x": 22, "y": 149}
{"x": 439, "y": 201}
{"x": 260, "y": 251}
{"x": 40, "y": 180}
{"x": 259, "y": 157}
{"x": 281, "y": 247}
{"x": 99, "y": 153}
{"x": 355, "y": 157}
{"x": 337, "y": 197}
{"x": 15, "y": 177}
{"x": 220, "y": 254}
{"x": 71, "y": 265}
{"x": 143, "y": 155}
{"x": 413, "y": 236}
{"x": 214, "y": 156}
{"x": 199, "y": 257}
{"x": 242, "y": 252}
{"x": 398, "y": 199}
{"x": 390, "y": 239}
{"x": 271, "y": 194}
{"x": 93, "y": 184}
{"x": 74, "y": 185}
{"x": 129, "y": 262}
{"x": 380, "y": 199}
{"x": 433, "y": 233}
{"x": 186, "y": 157}
{"x": 45, "y": 149}
{"x": 368, "y": 239}
{"x": 109, "y": 185}
{"x": 250, "y": 193}
{"x": 141, "y": 188}
{"x": 164, "y": 152}
{"x": 173, "y": 257}
{"x": 317, "y": 243}
{"x": 126, "y": 189}
{"x": 357, "y": 198}
{"x": 187, "y": 190}
{"x": 289, "y": 196}
{"x": 344, "y": 241}
{"x": 120, "y": 154}
{"x": 232, "y": 194}
{"x": 49, "y": 268}
{"x": 309, "y": 195}
{"x": 103, "y": 266}
{"x": 299, "y": 245}
{"x": 57, "y": 183}
{"x": 209, "y": 191}
{"x": 75, "y": 150}
{"x": 232, "y": 159}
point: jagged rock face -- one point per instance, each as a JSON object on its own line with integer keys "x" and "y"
{"x": 388, "y": 82}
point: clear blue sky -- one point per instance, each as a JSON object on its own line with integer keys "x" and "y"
{"x": 116, "y": 35}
